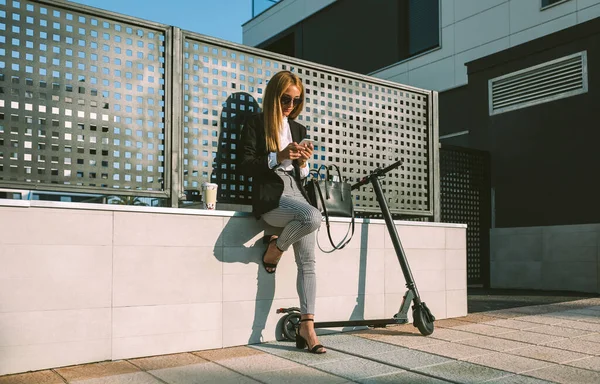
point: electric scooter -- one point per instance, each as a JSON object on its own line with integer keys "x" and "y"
{"x": 422, "y": 317}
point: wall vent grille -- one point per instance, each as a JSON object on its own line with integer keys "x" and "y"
{"x": 542, "y": 83}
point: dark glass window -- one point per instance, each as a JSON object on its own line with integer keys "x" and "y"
{"x": 424, "y": 25}
{"x": 546, "y": 3}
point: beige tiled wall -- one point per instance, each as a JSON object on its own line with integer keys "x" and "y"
{"x": 548, "y": 258}
{"x": 81, "y": 284}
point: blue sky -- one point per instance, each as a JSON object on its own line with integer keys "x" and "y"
{"x": 217, "y": 18}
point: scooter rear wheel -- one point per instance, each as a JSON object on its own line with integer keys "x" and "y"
{"x": 290, "y": 322}
{"x": 421, "y": 320}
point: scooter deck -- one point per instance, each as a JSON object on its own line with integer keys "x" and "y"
{"x": 359, "y": 323}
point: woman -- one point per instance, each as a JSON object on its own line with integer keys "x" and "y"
{"x": 276, "y": 162}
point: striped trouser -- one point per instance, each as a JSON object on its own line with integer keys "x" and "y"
{"x": 299, "y": 221}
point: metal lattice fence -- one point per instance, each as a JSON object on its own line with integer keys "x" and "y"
{"x": 83, "y": 99}
{"x": 465, "y": 199}
{"x": 95, "y": 101}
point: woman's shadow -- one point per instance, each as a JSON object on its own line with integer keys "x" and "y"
{"x": 242, "y": 239}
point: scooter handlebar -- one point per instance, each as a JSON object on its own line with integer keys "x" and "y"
{"x": 377, "y": 172}
{"x": 391, "y": 167}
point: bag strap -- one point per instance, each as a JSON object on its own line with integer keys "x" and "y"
{"x": 350, "y": 231}
{"x": 330, "y": 179}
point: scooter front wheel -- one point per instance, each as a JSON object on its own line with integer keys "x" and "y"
{"x": 423, "y": 319}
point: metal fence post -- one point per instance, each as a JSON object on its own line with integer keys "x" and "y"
{"x": 435, "y": 147}
{"x": 175, "y": 90}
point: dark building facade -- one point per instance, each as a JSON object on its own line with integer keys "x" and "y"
{"x": 362, "y": 38}
{"x": 544, "y": 157}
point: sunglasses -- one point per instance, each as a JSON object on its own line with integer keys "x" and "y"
{"x": 287, "y": 100}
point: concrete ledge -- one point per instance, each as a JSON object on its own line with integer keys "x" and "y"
{"x": 565, "y": 257}
{"x": 81, "y": 283}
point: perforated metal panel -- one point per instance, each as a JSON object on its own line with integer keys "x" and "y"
{"x": 82, "y": 99}
{"x": 357, "y": 122}
{"x": 94, "y": 101}
{"x": 465, "y": 199}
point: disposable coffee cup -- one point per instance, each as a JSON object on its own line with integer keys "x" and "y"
{"x": 209, "y": 195}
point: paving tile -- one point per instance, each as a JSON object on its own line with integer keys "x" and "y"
{"x": 450, "y": 334}
{"x": 585, "y": 312}
{"x": 96, "y": 370}
{"x": 339, "y": 338}
{"x": 588, "y": 317}
{"x": 450, "y": 323}
{"x": 535, "y": 309}
{"x": 200, "y": 373}
{"x": 566, "y": 374}
{"x": 493, "y": 343}
{"x": 227, "y": 353}
{"x": 593, "y": 337}
{"x": 289, "y": 351}
{"x": 518, "y": 379}
{"x": 357, "y": 345}
{"x": 577, "y": 345}
{"x": 405, "y": 329}
{"x": 592, "y": 327}
{"x": 262, "y": 362}
{"x": 560, "y": 330}
{"x": 454, "y": 350}
{"x": 546, "y": 319}
{"x": 166, "y": 361}
{"x": 545, "y": 353}
{"x": 129, "y": 378}
{"x": 482, "y": 329}
{"x": 40, "y": 377}
{"x": 477, "y": 318}
{"x": 410, "y": 359}
{"x": 591, "y": 363}
{"x": 504, "y": 314}
{"x": 357, "y": 368}
{"x": 507, "y": 362}
{"x": 512, "y": 324}
{"x": 298, "y": 375}
{"x": 408, "y": 341}
{"x": 531, "y": 337}
{"x": 403, "y": 377}
{"x": 567, "y": 305}
{"x": 463, "y": 372}
{"x": 592, "y": 301}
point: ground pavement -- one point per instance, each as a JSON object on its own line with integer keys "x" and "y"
{"x": 536, "y": 340}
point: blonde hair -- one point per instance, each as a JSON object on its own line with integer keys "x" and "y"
{"x": 273, "y": 113}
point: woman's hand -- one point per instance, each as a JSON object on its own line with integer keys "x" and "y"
{"x": 291, "y": 152}
{"x": 306, "y": 152}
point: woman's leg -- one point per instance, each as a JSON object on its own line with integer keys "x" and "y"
{"x": 300, "y": 221}
{"x": 306, "y": 284}
{"x": 306, "y": 281}
{"x": 300, "y": 233}
{"x": 297, "y": 217}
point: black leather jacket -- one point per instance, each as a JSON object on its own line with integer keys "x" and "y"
{"x": 267, "y": 187}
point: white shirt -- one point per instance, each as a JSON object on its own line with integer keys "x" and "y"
{"x": 285, "y": 138}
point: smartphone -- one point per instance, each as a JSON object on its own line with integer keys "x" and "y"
{"x": 306, "y": 141}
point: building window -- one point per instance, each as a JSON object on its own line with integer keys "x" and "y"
{"x": 548, "y": 3}
{"x": 424, "y": 26}
{"x": 542, "y": 83}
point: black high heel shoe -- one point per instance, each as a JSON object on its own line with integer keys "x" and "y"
{"x": 272, "y": 266}
{"x": 301, "y": 342}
